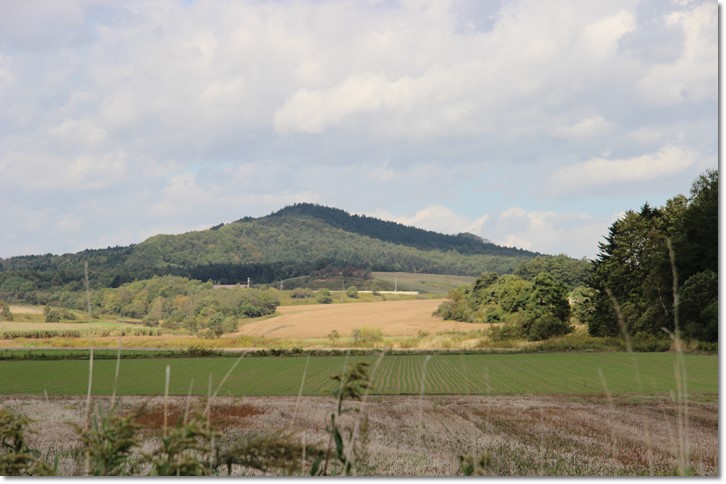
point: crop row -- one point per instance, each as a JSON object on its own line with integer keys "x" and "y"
{"x": 79, "y": 333}
{"x": 437, "y": 374}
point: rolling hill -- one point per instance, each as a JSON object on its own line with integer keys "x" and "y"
{"x": 294, "y": 241}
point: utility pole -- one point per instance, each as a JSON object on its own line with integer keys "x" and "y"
{"x": 281, "y": 284}
{"x": 248, "y": 283}
{"x": 395, "y": 283}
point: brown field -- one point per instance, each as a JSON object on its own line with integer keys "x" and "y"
{"x": 393, "y": 318}
{"x": 411, "y": 436}
{"x": 18, "y": 309}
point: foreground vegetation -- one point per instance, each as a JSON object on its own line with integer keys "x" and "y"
{"x": 366, "y": 435}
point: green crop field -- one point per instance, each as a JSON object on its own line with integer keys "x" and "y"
{"x": 434, "y": 283}
{"x": 520, "y": 374}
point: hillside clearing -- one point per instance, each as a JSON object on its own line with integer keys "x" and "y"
{"x": 393, "y": 318}
{"x": 427, "y": 283}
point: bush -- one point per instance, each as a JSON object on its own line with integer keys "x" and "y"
{"x": 352, "y": 292}
{"x": 206, "y": 333}
{"x": 505, "y": 332}
{"x": 324, "y": 296}
{"x": 301, "y": 293}
{"x": 5, "y": 314}
{"x": 54, "y": 315}
{"x": 367, "y": 336}
{"x": 547, "y": 326}
{"x": 333, "y": 336}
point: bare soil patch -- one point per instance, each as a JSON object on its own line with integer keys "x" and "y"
{"x": 224, "y": 414}
{"x": 393, "y": 318}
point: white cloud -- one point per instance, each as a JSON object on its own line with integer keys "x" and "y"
{"x": 439, "y": 219}
{"x": 357, "y": 105}
{"x": 583, "y": 129}
{"x": 693, "y": 76}
{"x": 78, "y": 133}
{"x": 573, "y": 233}
{"x": 669, "y": 161}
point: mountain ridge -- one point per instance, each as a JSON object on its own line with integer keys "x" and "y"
{"x": 396, "y": 232}
{"x": 296, "y": 240}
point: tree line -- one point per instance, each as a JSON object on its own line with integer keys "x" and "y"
{"x": 172, "y": 302}
{"x": 656, "y": 273}
{"x": 659, "y": 266}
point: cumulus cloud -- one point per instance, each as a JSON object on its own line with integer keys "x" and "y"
{"x": 250, "y": 105}
{"x": 439, "y": 219}
{"x": 572, "y": 233}
{"x": 669, "y": 161}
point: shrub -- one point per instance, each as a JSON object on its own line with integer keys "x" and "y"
{"x": 16, "y": 459}
{"x": 5, "y": 314}
{"x": 547, "y": 326}
{"x": 324, "y": 296}
{"x": 367, "y": 336}
{"x": 54, "y": 315}
{"x": 301, "y": 293}
{"x": 352, "y": 292}
{"x": 505, "y": 332}
{"x": 206, "y": 333}
{"x": 333, "y": 336}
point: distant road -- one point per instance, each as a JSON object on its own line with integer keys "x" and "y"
{"x": 394, "y": 318}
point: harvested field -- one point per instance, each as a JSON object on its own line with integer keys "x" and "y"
{"x": 394, "y": 318}
{"x": 409, "y": 436}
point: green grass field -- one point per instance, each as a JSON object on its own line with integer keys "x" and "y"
{"x": 516, "y": 374}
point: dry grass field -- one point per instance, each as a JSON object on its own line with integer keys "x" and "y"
{"x": 410, "y": 436}
{"x": 393, "y": 318}
{"x": 20, "y": 309}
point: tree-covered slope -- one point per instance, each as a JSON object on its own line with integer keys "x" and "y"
{"x": 398, "y": 233}
{"x": 294, "y": 241}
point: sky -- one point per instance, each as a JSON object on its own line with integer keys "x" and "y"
{"x": 531, "y": 123}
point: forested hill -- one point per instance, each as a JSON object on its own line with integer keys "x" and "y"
{"x": 295, "y": 241}
{"x": 398, "y": 233}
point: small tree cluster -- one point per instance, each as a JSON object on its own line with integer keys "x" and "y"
{"x": 536, "y": 309}
{"x": 5, "y": 314}
{"x": 324, "y": 297}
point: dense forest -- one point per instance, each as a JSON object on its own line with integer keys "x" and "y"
{"x": 295, "y": 241}
{"x": 656, "y": 272}
{"x": 633, "y": 274}
{"x": 398, "y": 233}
